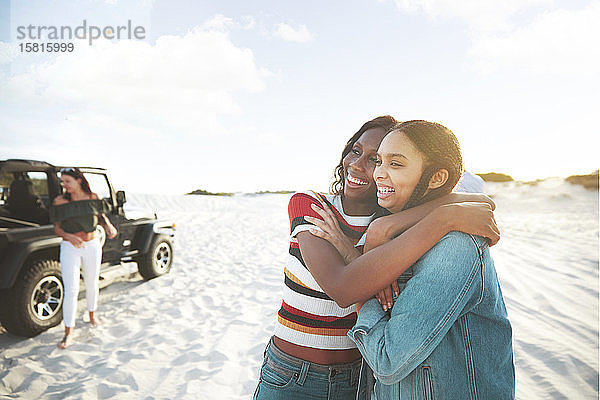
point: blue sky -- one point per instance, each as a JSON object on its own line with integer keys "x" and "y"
{"x": 246, "y": 96}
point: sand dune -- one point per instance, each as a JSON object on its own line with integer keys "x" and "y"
{"x": 200, "y": 331}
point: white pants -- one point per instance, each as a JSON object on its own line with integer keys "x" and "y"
{"x": 87, "y": 258}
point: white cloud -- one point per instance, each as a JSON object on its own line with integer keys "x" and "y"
{"x": 529, "y": 35}
{"x": 144, "y": 3}
{"x": 129, "y": 104}
{"x": 178, "y": 74}
{"x": 8, "y": 52}
{"x": 223, "y": 23}
{"x": 182, "y": 80}
{"x": 557, "y": 42}
{"x": 291, "y": 34}
{"x": 479, "y": 15}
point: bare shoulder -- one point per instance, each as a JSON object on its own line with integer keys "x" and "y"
{"x": 94, "y": 196}
{"x": 58, "y": 200}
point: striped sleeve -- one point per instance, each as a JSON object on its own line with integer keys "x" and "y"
{"x": 298, "y": 208}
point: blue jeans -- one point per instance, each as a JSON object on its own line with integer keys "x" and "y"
{"x": 286, "y": 377}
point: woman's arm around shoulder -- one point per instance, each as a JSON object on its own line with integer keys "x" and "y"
{"x": 371, "y": 272}
{"x": 387, "y": 227}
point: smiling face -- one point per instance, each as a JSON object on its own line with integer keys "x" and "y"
{"x": 399, "y": 169}
{"x": 71, "y": 184}
{"x": 359, "y": 164}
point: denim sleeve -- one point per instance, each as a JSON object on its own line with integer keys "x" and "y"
{"x": 445, "y": 279}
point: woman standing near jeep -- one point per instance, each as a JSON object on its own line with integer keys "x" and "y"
{"x": 76, "y": 214}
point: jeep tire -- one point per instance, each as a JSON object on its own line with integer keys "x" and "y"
{"x": 159, "y": 258}
{"x": 34, "y": 303}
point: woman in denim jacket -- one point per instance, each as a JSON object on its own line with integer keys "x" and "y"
{"x": 447, "y": 336}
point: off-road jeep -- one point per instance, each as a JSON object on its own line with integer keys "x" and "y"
{"x": 31, "y": 289}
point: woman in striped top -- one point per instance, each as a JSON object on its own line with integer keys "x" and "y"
{"x": 309, "y": 355}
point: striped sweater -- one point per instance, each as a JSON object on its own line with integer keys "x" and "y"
{"x": 308, "y": 317}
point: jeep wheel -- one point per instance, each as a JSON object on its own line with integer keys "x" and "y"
{"x": 34, "y": 303}
{"x": 158, "y": 260}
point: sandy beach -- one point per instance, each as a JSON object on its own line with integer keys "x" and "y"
{"x": 199, "y": 332}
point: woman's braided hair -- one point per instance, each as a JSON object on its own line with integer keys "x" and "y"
{"x": 385, "y": 122}
{"x": 441, "y": 151}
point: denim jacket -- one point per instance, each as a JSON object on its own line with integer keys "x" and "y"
{"x": 447, "y": 335}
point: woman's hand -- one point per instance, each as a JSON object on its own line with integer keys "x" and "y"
{"x": 472, "y": 217}
{"x": 111, "y": 231}
{"x": 332, "y": 232}
{"x": 385, "y": 297}
{"x": 74, "y": 240}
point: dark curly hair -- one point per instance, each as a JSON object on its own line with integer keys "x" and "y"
{"x": 441, "y": 150}
{"x": 338, "y": 181}
{"x": 77, "y": 174}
